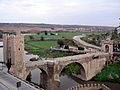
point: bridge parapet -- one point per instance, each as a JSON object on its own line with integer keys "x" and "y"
{"x": 88, "y": 57}
{"x": 90, "y": 87}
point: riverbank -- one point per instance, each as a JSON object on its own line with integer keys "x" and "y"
{"x": 110, "y": 73}
{"x": 112, "y": 86}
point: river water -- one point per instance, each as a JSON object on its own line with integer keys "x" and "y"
{"x": 65, "y": 80}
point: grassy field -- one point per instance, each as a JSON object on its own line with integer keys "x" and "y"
{"x": 41, "y": 48}
{"x": 110, "y": 73}
{"x": 42, "y": 44}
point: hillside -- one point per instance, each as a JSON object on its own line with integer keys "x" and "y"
{"x": 51, "y": 27}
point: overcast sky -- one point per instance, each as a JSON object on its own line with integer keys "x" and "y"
{"x": 81, "y": 12}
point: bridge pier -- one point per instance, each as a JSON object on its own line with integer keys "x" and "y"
{"x": 43, "y": 80}
{"x": 53, "y": 85}
{"x": 48, "y": 81}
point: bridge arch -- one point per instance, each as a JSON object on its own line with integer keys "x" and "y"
{"x": 29, "y": 69}
{"x": 32, "y": 75}
{"x": 82, "y": 73}
{"x": 43, "y": 76}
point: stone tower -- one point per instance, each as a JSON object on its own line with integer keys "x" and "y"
{"x": 13, "y": 51}
{"x": 107, "y": 46}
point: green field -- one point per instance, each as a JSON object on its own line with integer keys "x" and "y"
{"x": 110, "y": 73}
{"x": 42, "y": 44}
{"x": 41, "y": 48}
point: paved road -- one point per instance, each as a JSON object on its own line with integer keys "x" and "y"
{"x": 8, "y": 82}
{"x": 77, "y": 38}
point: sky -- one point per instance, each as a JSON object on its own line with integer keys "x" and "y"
{"x": 72, "y": 12}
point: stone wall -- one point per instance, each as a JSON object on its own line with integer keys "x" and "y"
{"x": 90, "y": 87}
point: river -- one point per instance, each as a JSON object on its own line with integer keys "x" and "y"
{"x": 67, "y": 81}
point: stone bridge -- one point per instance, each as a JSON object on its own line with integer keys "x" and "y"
{"x": 90, "y": 63}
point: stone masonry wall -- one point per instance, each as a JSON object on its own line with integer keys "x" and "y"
{"x": 90, "y": 87}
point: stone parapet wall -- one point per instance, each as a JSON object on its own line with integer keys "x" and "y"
{"x": 90, "y": 87}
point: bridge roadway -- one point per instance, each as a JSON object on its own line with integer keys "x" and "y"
{"x": 63, "y": 59}
{"x": 8, "y": 82}
{"x": 80, "y": 42}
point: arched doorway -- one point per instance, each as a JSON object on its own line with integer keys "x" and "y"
{"x": 67, "y": 80}
{"x": 106, "y": 48}
{"x": 38, "y": 77}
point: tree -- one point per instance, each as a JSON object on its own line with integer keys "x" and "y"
{"x": 46, "y": 33}
{"x": 60, "y": 43}
{"x": 42, "y": 38}
{"x": 114, "y": 34}
{"x": 66, "y": 47}
{"x": 31, "y": 37}
{"x": 73, "y": 68}
{"x": 38, "y": 33}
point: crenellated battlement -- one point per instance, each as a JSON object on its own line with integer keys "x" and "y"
{"x": 90, "y": 87}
